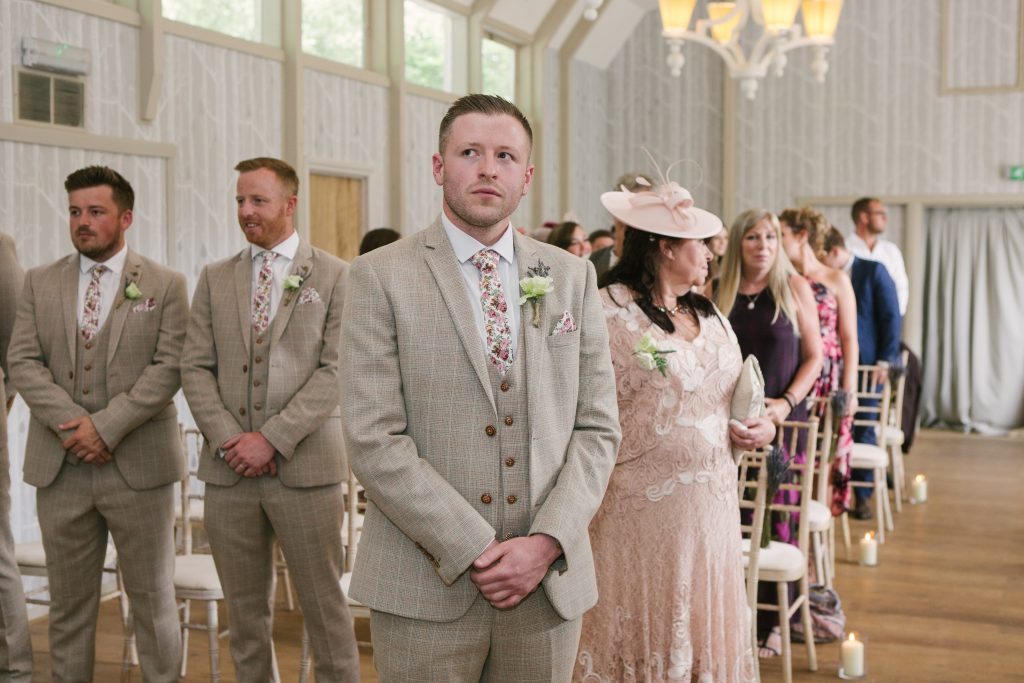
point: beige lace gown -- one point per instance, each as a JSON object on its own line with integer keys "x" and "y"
{"x": 672, "y": 604}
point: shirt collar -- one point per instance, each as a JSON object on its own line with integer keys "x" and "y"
{"x": 115, "y": 263}
{"x": 288, "y": 248}
{"x": 466, "y": 246}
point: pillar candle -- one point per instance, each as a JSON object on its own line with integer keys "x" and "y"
{"x": 869, "y": 550}
{"x": 853, "y": 656}
{"x": 919, "y": 491}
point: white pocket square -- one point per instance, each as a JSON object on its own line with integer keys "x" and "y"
{"x": 309, "y": 296}
{"x": 144, "y": 306}
{"x": 565, "y": 325}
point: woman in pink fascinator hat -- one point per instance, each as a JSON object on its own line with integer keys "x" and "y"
{"x": 669, "y": 570}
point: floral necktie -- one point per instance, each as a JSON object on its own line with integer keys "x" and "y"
{"x": 261, "y": 299}
{"x": 91, "y": 312}
{"x": 495, "y": 307}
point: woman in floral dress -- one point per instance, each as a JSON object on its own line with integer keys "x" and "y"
{"x": 672, "y": 604}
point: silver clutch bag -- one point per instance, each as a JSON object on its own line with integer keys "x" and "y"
{"x": 748, "y": 396}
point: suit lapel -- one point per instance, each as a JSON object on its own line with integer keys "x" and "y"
{"x": 444, "y": 266}
{"x": 132, "y": 273}
{"x": 69, "y": 300}
{"x": 302, "y": 266}
{"x": 243, "y": 294}
{"x": 532, "y": 337}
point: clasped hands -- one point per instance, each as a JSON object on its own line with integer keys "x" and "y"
{"x": 507, "y": 572}
{"x": 249, "y": 454}
{"x": 85, "y": 442}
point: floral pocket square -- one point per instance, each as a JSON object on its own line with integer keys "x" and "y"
{"x": 144, "y": 306}
{"x": 309, "y": 296}
{"x": 566, "y": 325}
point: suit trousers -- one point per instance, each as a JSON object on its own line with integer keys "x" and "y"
{"x": 529, "y": 643}
{"x": 75, "y": 513}
{"x": 242, "y": 521}
{"x": 15, "y": 641}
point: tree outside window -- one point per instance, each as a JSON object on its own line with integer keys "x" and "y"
{"x": 428, "y": 39}
{"x": 335, "y": 29}
{"x": 238, "y": 18}
{"x": 499, "y": 69}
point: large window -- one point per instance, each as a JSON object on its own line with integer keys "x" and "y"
{"x": 238, "y": 18}
{"x": 499, "y": 69}
{"x": 335, "y": 29}
{"x": 430, "y": 36}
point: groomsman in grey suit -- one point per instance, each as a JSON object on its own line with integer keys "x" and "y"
{"x": 15, "y": 643}
{"x": 95, "y": 355}
{"x": 260, "y": 371}
{"x": 481, "y": 417}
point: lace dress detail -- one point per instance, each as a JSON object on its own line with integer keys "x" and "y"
{"x": 831, "y": 379}
{"x": 672, "y": 604}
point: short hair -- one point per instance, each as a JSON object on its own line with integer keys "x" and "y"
{"x": 282, "y": 169}
{"x": 600, "y": 232}
{"x": 561, "y": 236}
{"x": 476, "y": 103}
{"x": 377, "y": 238}
{"x": 862, "y": 205}
{"x": 95, "y": 176}
{"x": 833, "y": 239}
{"x": 809, "y": 221}
{"x": 629, "y": 181}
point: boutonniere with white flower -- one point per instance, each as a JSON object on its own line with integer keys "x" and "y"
{"x": 293, "y": 283}
{"x": 534, "y": 286}
{"x": 649, "y": 356}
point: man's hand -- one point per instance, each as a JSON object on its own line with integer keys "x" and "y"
{"x": 250, "y": 454}
{"x": 505, "y": 573}
{"x": 85, "y": 441}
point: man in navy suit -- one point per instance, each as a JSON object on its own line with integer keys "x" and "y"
{"x": 879, "y": 326}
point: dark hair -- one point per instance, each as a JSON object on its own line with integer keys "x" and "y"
{"x": 628, "y": 180}
{"x": 475, "y": 103}
{"x": 833, "y": 239}
{"x": 807, "y": 220}
{"x": 95, "y": 176}
{"x": 377, "y": 238}
{"x": 561, "y": 236}
{"x": 283, "y": 170}
{"x": 862, "y": 205}
{"x": 599, "y": 233}
{"x": 637, "y": 269}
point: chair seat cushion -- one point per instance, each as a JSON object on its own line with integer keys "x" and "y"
{"x": 30, "y": 554}
{"x": 196, "y": 511}
{"x": 893, "y": 436}
{"x": 778, "y": 562}
{"x": 866, "y": 456}
{"x": 818, "y": 515}
{"x": 196, "y": 573}
{"x": 346, "y": 582}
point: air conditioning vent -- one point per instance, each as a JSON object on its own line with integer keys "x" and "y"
{"x": 49, "y": 98}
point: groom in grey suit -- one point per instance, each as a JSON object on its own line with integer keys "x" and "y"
{"x": 480, "y": 415}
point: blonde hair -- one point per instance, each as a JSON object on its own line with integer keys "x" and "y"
{"x": 778, "y": 276}
{"x": 808, "y": 220}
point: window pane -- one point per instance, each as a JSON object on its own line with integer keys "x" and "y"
{"x": 335, "y": 29}
{"x": 428, "y": 38}
{"x": 499, "y": 67}
{"x": 239, "y": 18}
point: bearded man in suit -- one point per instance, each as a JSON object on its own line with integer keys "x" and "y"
{"x": 481, "y": 418}
{"x": 260, "y": 371}
{"x": 95, "y": 355}
{"x": 15, "y": 642}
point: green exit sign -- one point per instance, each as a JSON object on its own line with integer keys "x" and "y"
{"x": 1015, "y": 173}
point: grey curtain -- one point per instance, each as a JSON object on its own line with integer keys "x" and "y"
{"x": 973, "y": 355}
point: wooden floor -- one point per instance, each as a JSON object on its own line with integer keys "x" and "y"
{"x": 945, "y": 604}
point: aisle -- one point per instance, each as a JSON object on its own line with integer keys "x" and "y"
{"x": 945, "y": 604}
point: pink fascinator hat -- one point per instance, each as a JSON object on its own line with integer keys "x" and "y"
{"x": 666, "y": 209}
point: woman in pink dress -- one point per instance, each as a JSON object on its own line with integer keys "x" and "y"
{"x": 671, "y": 599}
{"x": 803, "y": 238}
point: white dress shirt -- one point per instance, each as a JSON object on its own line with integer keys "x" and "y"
{"x": 890, "y": 256}
{"x": 109, "y": 282}
{"x": 281, "y": 268}
{"x": 465, "y": 247}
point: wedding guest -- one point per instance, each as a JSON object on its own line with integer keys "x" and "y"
{"x": 870, "y": 220}
{"x": 571, "y": 237}
{"x": 600, "y": 239}
{"x": 803, "y": 237}
{"x": 717, "y": 244}
{"x": 669, "y": 567}
{"x": 604, "y": 259}
{"x": 377, "y": 238}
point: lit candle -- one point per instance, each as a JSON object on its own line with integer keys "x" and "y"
{"x": 853, "y": 656}
{"x": 919, "y": 492}
{"x": 869, "y": 550}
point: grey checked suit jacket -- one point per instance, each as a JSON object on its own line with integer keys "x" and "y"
{"x": 139, "y": 423}
{"x": 302, "y": 390}
{"x": 418, "y": 396}
{"x": 11, "y": 277}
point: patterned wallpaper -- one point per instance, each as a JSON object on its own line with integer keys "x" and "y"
{"x": 423, "y": 197}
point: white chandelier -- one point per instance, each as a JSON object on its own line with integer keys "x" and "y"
{"x": 779, "y": 33}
